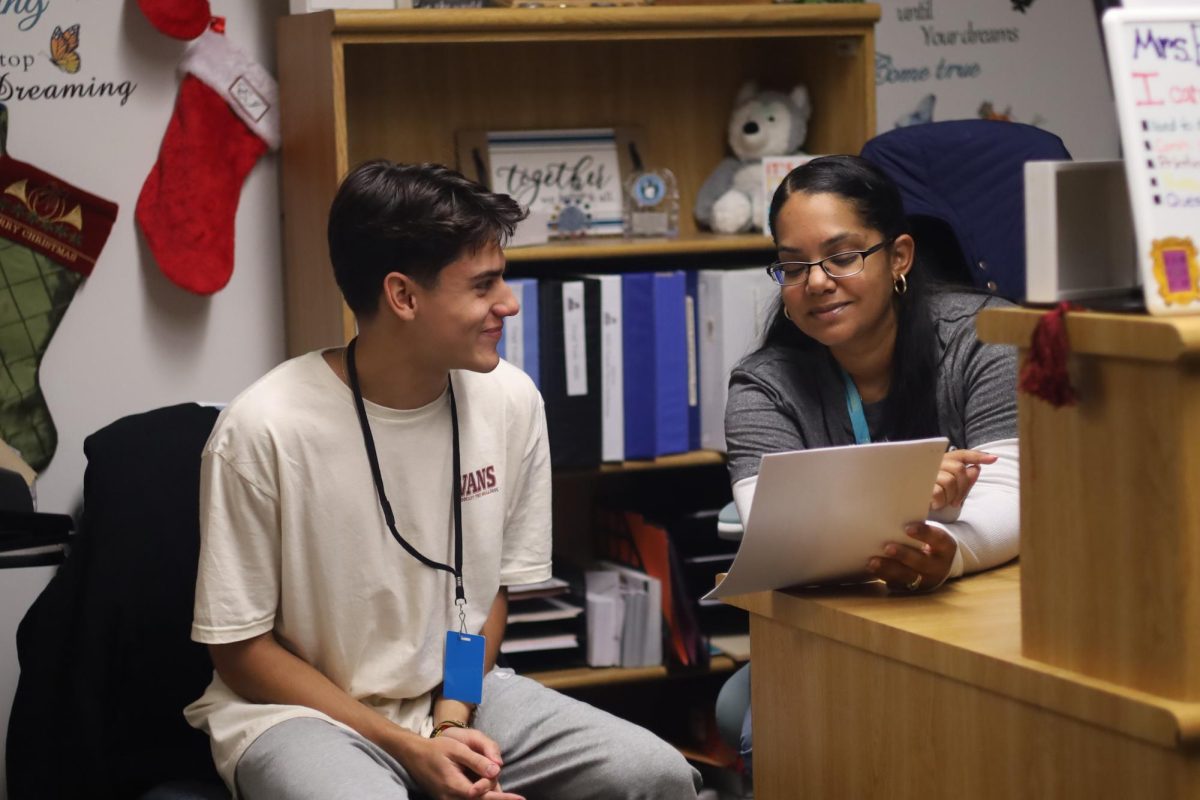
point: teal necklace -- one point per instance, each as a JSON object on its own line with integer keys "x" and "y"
{"x": 854, "y": 404}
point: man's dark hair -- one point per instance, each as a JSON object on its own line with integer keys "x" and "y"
{"x": 409, "y": 218}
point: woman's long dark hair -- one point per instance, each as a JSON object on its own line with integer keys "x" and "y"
{"x": 910, "y": 409}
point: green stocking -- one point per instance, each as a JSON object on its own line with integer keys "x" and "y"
{"x": 50, "y": 236}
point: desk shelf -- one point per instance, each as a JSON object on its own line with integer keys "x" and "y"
{"x": 943, "y": 673}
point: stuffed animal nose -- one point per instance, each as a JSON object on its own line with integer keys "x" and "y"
{"x": 750, "y": 128}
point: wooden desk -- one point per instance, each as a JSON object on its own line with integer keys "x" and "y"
{"x": 858, "y": 694}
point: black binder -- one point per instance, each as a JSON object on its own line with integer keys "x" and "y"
{"x": 572, "y": 417}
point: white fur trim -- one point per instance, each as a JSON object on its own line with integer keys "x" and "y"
{"x": 243, "y": 83}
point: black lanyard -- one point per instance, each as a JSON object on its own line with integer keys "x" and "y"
{"x": 369, "y": 441}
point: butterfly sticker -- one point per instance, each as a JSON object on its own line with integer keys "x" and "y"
{"x": 921, "y": 114}
{"x": 63, "y": 45}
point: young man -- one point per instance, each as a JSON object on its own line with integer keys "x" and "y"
{"x": 342, "y": 538}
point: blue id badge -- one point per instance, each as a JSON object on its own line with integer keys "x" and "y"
{"x": 463, "y": 677}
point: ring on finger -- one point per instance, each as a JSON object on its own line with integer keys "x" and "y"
{"x": 915, "y": 583}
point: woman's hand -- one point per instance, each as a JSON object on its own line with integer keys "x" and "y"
{"x": 956, "y": 476}
{"x": 459, "y": 763}
{"x": 909, "y": 569}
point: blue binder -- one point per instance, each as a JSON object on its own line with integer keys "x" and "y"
{"x": 527, "y": 328}
{"x": 655, "y": 359}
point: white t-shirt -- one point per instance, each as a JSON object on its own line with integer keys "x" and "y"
{"x": 293, "y": 538}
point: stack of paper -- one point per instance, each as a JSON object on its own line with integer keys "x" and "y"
{"x": 540, "y": 619}
{"x": 819, "y": 515}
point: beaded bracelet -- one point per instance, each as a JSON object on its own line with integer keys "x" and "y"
{"x": 442, "y": 726}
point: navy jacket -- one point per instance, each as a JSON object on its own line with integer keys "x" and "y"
{"x": 965, "y": 180}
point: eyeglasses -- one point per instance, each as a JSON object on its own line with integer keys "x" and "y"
{"x": 838, "y": 265}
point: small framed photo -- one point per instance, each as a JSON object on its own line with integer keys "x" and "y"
{"x": 569, "y": 180}
{"x": 775, "y": 169}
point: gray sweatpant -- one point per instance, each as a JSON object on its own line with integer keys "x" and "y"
{"x": 554, "y": 747}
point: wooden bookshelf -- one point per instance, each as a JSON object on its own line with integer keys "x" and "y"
{"x": 696, "y": 458}
{"x": 697, "y": 244}
{"x": 584, "y": 677}
{"x": 356, "y": 85}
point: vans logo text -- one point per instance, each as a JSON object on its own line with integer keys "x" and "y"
{"x": 479, "y": 483}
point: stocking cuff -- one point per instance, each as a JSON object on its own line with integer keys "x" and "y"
{"x": 248, "y": 88}
{"x": 52, "y": 217}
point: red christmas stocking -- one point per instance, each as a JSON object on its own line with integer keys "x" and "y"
{"x": 225, "y": 118}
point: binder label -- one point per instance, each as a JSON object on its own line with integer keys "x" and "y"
{"x": 574, "y": 338}
{"x": 690, "y": 327}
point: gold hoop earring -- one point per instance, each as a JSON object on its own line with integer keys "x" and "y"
{"x": 901, "y": 285}
{"x": 786, "y": 314}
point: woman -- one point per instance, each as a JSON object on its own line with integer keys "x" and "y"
{"x": 861, "y": 350}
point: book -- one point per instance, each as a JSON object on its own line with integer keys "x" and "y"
{"x": 569, "y": 324}
{"x": 646, "y": 545}
{"x": 688, "y": 644}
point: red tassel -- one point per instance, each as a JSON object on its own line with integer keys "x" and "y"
{"x": 1045, "y": 372}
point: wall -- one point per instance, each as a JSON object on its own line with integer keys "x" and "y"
{"x": 132, "y": 340}
{"x": 1032, "y": 61}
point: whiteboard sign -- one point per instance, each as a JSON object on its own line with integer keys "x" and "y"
{"x": 1154, "y": 56}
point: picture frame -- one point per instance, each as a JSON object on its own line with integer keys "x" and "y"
{"x": 570, "y": 180}
{"x": 774, "y": 170}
